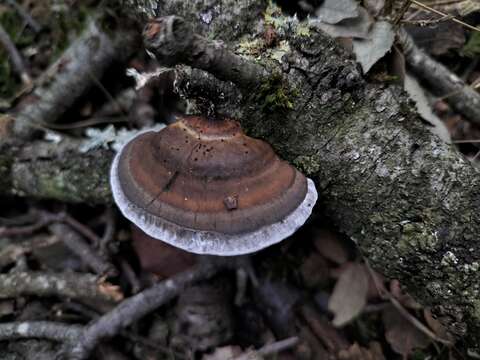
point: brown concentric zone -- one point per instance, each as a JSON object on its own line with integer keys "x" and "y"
{"x": 208, "y": 175}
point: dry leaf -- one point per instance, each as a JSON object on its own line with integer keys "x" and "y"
{"x": 112, "y": 291}
{"x": 357, "y": 27}
{"x": 380, "y": 40}
{"x": 417, "y": 94}
{"x": 405, "y": 299}
{"x": 402, "y": 336}
{"x": 356, "y": 352}
{"x": 314, "y": 271}
{"x": 349, "y": 295}
{"x": 330, "y": 246}
{"x": 436, "y": 325}
{"x": 334, "y": 11}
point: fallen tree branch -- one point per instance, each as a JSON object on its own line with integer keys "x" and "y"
{"x": 137, "y": 306}
{"x": 442, "y": 81}
{"x": 173, "y": 41}
{"x": 66, "y": 285}
{"x": 59, "y": 171}
{"x": 71, "y": 75}
{"x": 15, "y": 56}
{"x": 76, "y": 244}
{"x": 40, "y": 329}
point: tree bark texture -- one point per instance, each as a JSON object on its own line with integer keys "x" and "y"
{"x": 409, "y": 201}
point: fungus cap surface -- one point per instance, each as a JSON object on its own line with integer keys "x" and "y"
{"x": 206, "y": 187}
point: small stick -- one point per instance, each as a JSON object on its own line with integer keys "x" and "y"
{"x": 278, "y": 346}
{"x": 110, "y": 227}
{"x": 135, "y": 307}
{"x": 26, "y": 16}
{"x": 438, "y": 12}
{"x": 15, "y": 56}
{"x": 386, "y": 295}
{"x": 24, "y": 230}
{"x": 79, "y": 227}
{"x": 173, "y": 41}
{"x": 63, "y": 285}
{"x": 461, "y": 97}
{"x": 39, "y": 329}
{"x": 79, "y": 247}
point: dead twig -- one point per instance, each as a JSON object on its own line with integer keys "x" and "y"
{"x": 441, "y": 13}
{"x": 82, "y": 249}
{"x": 386, "y": 295}
{"x": 278, "y": 346}
{"x": 134, "y": 308}
{"x": 15, "y": 56}
{"x": 34, "y": 25}
{"x": 40, "y": 329}
{"x": 85, "y": 59}
{"x": 109, "y": 233}
{"x": 172, "y": 40}
{"x": 461, "y": 97}
{"x": 80, "y": 228}
{"x": 63, "y": 285}
{"x": 11, "y": 252}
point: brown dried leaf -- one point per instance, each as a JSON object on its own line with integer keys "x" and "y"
{"x": 356, "y": 352}
{"x": 112, "y": 291}
{"x": 314, "y": 271}
{"x": 405, "y": 299}
{"x": 349, "y": 294}
{"x": 402, "y": 336}
{"x": 330, "y": 245}
{"x": 436, "y": 325}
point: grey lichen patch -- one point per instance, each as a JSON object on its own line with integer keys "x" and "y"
{"x": 285, "y": 25}
{"x": 417, "y": 236}
{"x": 449, "y": 259}
{"x": 309, "y": 165}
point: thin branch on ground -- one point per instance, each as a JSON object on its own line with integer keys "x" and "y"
{"x": 135, "y": 307}
{"x": 82, "y": 249}
{"x": 9, "y": 253}
{"x": 172, "y": 41}
{"x": 85, "y": 231}
{"x": 109, "y": 233}
{"x": 40, "y": 329}
{"x": 25, "y": 230}
{"x": 34, "y": 25}
{"x": 86, "y": 58}
{"x": 278, "y": 346}
{"x": 63, "y": 285}
{"x": 15, "y": 56}
{"x": 441, "y": 13}
{"x": 461, "y": 97}
{"x": 386, "y": 295}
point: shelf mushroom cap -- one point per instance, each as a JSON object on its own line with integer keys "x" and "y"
{"x": 205, "y": 187}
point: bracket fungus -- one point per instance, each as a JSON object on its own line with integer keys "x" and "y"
{"x": 204, "y": 186}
